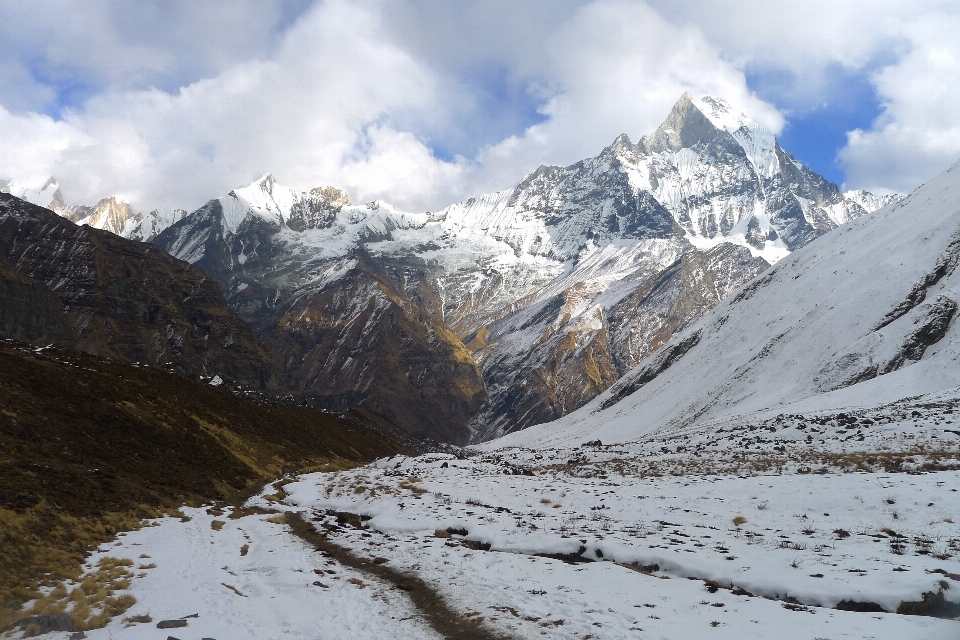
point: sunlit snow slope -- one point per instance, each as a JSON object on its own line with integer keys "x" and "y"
{"x": 859, "y": 317}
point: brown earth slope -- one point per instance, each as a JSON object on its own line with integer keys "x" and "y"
{"x": 359, "y": 342}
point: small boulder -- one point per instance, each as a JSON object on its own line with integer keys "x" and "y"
{"x": 171, "y": 624}
{"x": 46, "y": 624}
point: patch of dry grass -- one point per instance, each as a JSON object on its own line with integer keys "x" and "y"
{"x": 92, "y": 602}
{"x": 410, "y": 484}
{"x": 43, "y": 547}
{"x": 143, "y": 618}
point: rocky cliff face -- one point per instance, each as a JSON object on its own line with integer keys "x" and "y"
{"x": 341, "y": 330}
{"x": 667, "y": 302}
{"x": 93, "y": 291}
{"x": 358, "y": 341}
{"x": 553, "y": 288}
{"x": 563, "y": 350}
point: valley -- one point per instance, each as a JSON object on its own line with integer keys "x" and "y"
{"x": 685, "y": 388}
{"x": 835, "y": 538}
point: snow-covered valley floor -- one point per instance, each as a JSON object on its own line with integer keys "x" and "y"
{"x": 762, "y": 534}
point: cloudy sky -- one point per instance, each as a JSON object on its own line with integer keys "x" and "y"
{"x": 425, "y": 102}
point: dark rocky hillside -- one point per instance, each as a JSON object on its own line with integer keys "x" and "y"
{"x": 87, "y": 446}
{"x": 342, "y": 332}
{"x": 90, "y": 290}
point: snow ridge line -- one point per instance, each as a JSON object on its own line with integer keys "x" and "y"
{"x": 427, "y": 600}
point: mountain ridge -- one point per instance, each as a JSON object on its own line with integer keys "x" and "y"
{"x": 798, "y": 338}
{"x": 606, "y": 259}
{"x": 92, "y": 291}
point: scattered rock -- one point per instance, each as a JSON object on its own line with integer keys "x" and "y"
{"x": 860, "y": 607}
{"x": 46, "y": 624}
{"x": 171, "y": 624}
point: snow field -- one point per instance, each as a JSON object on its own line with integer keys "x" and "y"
{"x": 807, "y": 543}
{"x": 250, "y": 579}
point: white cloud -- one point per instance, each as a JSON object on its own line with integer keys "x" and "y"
{"x": 355, "y": 94}
{"x": 918, "y": 133}
{"x": 116, "y": 44}
{"x": 324, "y": 108}
{"x": 299, "y": 114}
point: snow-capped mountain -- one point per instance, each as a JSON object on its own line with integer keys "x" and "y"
{"x": 709, "y": 187}
{"x": 109, "y": 214}
{"x": 44, "y": 194}
{"x": 557, "y": 286}
{"x": 707, "y": 173}
{"x": 862, "y": 317}
{"x": 341, "y": 329}
{"x": 869, "y": 201}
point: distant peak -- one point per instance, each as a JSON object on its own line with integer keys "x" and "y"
{"x": 51, "y": 182}
{"x": 45, "y": 194}
{"x": 266, "y": 182}
{"x": 722, "y": 114}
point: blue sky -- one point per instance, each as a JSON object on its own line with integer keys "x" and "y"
{"x": 424, "y": 102}
{"x": 816, "y": 133}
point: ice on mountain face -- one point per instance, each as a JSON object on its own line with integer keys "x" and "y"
{"x": 724, "y": 178}
{"x": 757, "y": 141}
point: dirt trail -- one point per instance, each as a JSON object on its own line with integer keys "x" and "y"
{"x": 431, "y": 605}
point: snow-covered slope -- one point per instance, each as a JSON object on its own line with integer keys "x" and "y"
{"x": 862, "y": 316}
